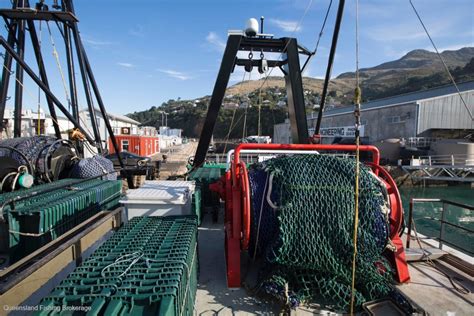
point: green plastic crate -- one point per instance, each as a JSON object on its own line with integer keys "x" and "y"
{"x": 197, "y": 203}
{"x": 204, "y": 176}
{"x": 53, "y": 210}
{"x": 162, "y": 280}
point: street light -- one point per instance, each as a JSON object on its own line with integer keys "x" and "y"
{"x": 164, "y": 119}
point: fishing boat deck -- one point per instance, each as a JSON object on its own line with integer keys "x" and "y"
{"x": 429, "y": 288}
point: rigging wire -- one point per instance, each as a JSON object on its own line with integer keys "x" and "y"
{"x": 236, "y": 123}
{"x": 322, "y": 28}
{"x": 58, "y": 64}
{"x": 357, "y": 100}
{"x": 321, "y": 32}
{"x": 244, "y": 129}
{"x": 27, "y": 91}
{"x": 442, "y": 60}
{"x": 259, "y": 126}
{"x": 66, "y": 92}
{"x": 11, "y": 72}
{"x": 297, "y": 26}
{"x": 267, "y": 75}
{"x": 38, "y": 128}
{"x": 226, "y": 139}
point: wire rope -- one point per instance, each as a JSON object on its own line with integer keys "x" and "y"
{"x": 442, "y": 60}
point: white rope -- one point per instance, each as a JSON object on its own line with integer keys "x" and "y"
{"x": 137, "y": 256}
{"x": 58, "y": 63}
{"x": 63, "y": 79}
{"x": 269, "y": 193}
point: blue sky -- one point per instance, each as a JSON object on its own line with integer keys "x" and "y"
{"x": 145, "y": 52}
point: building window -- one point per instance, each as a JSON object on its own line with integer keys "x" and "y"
{"x": 395, "y": 119}
{"x": 125, "y": 145}
{"x": 41, "y": 127}
{"x": 125, "y": 131}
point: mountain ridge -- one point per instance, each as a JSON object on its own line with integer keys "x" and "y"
{"x": 382, "y": 80}
{"x": 415, "y": 71}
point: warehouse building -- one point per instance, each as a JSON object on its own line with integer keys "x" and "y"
{"x": 434, "y": 113}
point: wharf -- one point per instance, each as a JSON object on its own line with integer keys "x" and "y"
{"x": 177, "y": 159}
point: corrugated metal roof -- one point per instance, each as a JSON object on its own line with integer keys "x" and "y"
{"x": 123, "y": 118}
{"x": 405, "y": 98}
{"x": 117, "y": 117}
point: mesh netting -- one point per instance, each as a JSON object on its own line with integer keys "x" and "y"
{"x": 307, "y": 240}
{"x": 94, "y": 167}
{"x": 32, "y": 147}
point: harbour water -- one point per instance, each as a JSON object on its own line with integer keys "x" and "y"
{"x": 460, "y": 216}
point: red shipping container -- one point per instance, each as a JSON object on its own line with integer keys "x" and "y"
{"x": 144, "y": 146}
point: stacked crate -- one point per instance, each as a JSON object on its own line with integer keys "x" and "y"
{"x": 49, "y": 210}
{"x": 203, "y": 176}
{"x": 148, "y": 267}
{"x": 197, "y": 204}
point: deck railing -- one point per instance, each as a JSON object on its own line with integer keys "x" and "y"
{"x": 445, "y": 160}
{"x": 420, "y": 141}
{"x": 443, "y": 222}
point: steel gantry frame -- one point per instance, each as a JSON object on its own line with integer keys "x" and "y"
{"x": 19, "y": 20}
{"x": 293, "y": 80}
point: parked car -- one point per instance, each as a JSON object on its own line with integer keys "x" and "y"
{"x": 131, "y": 160}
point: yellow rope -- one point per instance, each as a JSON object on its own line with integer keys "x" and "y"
{"x": 357, "y": 100}
{"x": 356, "y": 224}
{"x": 357, "y": 95}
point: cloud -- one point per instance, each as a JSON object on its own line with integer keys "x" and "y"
{"x": 126, "y": 65}
{"x": 286, "y": 26}
{"x": 137, "y": 31}
{"x": 95, "y": 42}
{"x": 214, "y": 39}
{"x": 176, "y": 74}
